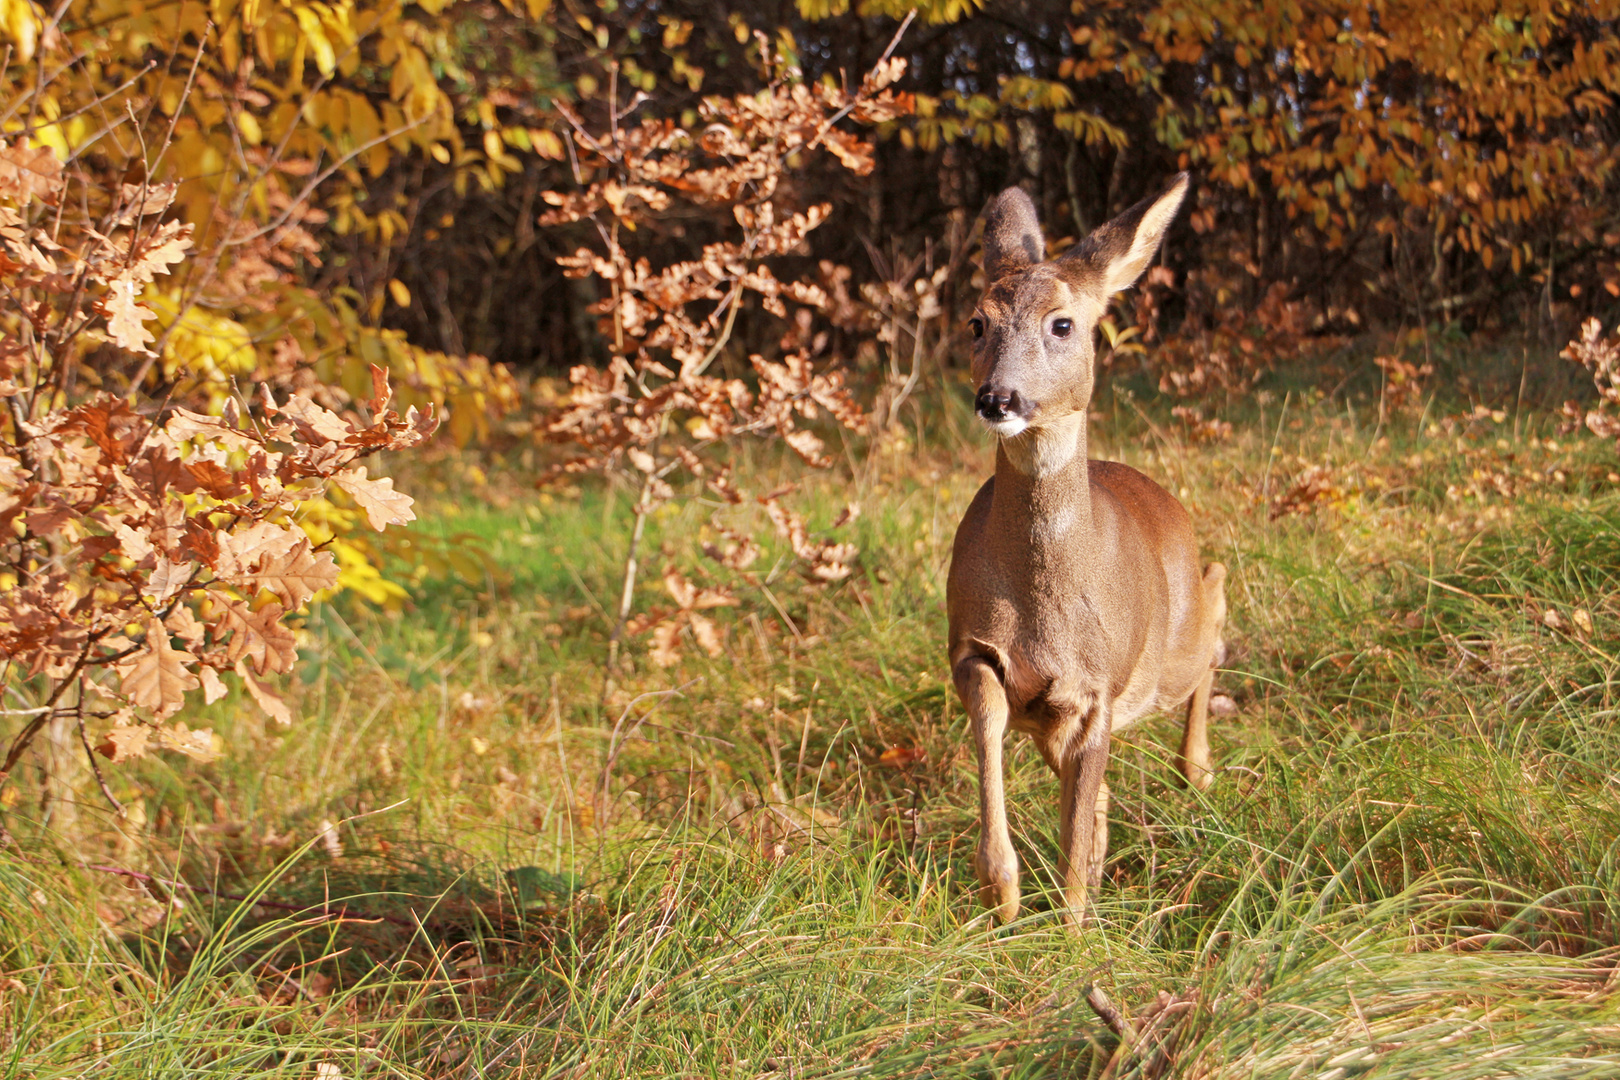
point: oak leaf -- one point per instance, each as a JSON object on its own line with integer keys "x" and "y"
{"x": 296, "y": 575}
{"x": 707, "y": 634}
{"x": 29, "y": 170}
{"x": 200, "y": 745}
{"x": 213, "y": 687}
{"x": 318, "y": 425}
{"x": 666, "y": 650}
{"x": 156, "y": 677}
{"x": 125, "y": 742}
{"x": 383, "y": 505}
{"x": 268, "y": 700}
{"x": 133, "y": 541}
{"x": 256, "y": 635}
{"x": 153, "y": 255}
{"x": 143, "y": 199}
{"x": 166, "y": 579}
{"x": 241, "y": 551}
{"x": 126, "y": 318}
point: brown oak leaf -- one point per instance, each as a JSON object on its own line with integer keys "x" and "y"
{"x": 256, "y": 635}
{"x": 29, "y": 170}
{"x": 383, "y": 505}
{"x": 213, "y": 687}
{"x": 153, "y": 254}
{"x": 243, "y": 550}
{"x": 143, "y": 199}
{"x": 125, "y": 742}
{"x": 156, "y": 677}
{"x": 213, "y": 478}
{"x": 133, "y": 541}
{"x": 318, "y": 425}
{"x": 185, "y": 424}
{"x": 268, "y": 700}
{"x": 126, "y": 318}
{"x": 298, "y": 574}
{"x": 199, "y": 745}
{"x": 666, "y": 650}
{"x": 167, "y": 578}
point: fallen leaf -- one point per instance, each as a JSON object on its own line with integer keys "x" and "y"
{"x": 902, "y": 757}
{"x": 666, "y": 650}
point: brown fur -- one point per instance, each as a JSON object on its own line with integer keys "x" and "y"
{"x": 1076, "y": 598}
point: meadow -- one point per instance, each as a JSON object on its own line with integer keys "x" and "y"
{"x": 474, "y": 855}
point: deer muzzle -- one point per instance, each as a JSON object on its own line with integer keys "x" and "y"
{"x": 1004, "y": 411}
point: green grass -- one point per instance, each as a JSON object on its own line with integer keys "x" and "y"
{"x": 1407, "y": 867}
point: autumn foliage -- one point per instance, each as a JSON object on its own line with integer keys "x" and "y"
{"x": 145, "y": 552}
{"x": 665, "y": 406}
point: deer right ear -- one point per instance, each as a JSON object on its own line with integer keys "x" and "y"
{"x": 1119, "y": 251}
{"x": 1012, "y": 235}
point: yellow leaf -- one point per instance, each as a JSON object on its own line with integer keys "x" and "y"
{"x": 401, "y": 294}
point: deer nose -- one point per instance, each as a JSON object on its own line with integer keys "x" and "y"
{"x": 993, "y": 404}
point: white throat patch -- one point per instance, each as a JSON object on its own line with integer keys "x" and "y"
{"x": 1047, "y": 449}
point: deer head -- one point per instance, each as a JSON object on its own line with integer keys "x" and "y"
{"x": 1033, "y": 351}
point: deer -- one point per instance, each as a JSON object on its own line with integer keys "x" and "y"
{"x": 1076, "y": 600}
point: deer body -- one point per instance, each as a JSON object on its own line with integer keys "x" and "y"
{"x": 1076, "y": 597}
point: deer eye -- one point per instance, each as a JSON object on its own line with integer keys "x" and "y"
{"x": 976, "y": 324}
{"x": 1062, "y": 327}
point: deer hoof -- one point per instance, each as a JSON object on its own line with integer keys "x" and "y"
{"x": 998, "y": 883}
{"x": 1199, "y": 775}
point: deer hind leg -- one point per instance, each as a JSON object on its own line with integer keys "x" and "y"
{"x": 996, "y": 862}
{"x": 1194, "y": 760}
{"x": 1084, "y": 834}
{"x": 1099, "y": 836}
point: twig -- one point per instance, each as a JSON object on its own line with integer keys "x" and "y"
{"x": 614, "y": 745}
{"x": 90, "y": 755}
{"x": 1117, "y": 1022}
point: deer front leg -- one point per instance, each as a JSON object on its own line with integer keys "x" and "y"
{"x": 1083, "y": 838}
{"x": 985, "y": 699}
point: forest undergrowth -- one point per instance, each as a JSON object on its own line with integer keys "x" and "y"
{"x": 474, "y": 855}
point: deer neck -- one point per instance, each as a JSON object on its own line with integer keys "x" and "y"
{"x": 1042, "y": 500}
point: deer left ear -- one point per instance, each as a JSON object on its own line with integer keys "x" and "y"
{"x": 1120, "y": 250}
{"x": 1012, "y": 235}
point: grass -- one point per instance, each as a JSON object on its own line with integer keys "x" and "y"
{"x": 452, "y": 867}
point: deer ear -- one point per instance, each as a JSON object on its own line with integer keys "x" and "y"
{"x": 1012, "y": 235}
{"x": 1120, "y": 250}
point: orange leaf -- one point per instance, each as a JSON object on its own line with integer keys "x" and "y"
{"x": 902, "y": 757}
